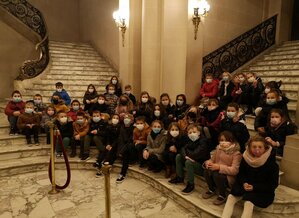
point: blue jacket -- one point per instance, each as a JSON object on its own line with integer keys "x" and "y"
{"x": 65, "y": 96}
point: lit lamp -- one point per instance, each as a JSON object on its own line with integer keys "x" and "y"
{"x": 201, "y": 9}
{"x": 120, "y": 21}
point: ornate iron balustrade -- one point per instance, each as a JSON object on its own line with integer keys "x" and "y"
{"x": 240, "y": 50}
{"x": 32, "y": 18}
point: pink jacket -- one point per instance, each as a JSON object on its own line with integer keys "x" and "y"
{"x": 229, "y": 163}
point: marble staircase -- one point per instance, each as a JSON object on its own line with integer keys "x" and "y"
{"x": 76, "y": 65}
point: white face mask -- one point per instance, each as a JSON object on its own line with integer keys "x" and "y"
{"x": 231, "y": 114}
{"x": 111, "y": 92}
{"x": 251, "y": 79}
{"x": 114, "y": 81}
{"x": 140, "y": 127}
{"x": 63, "y": 119}
{"x": 127, "y": 121}
{"x": 209, "y": 80}
{"x": 37, "y": 101}
{"x": 144, "y": 100}
{"x": 242, "y": 79}
{"x": 275, "y": 121}
{"x": 267, "y": 90}
{"x": 157, "y": 113}
{"x": 90, "y": 90}
{"x": 174, "y": 133}
{"x": 59, "y": 90}
{"x": 128, "y": 92}
{"x": 101, "y": 101}
{"x": 28, "y": 110}
{"x": 114, "y": 121}
{"x": 193, "y": 136}
{"x": 179, "y": 102}
{"x": 96, "y": 119}
{"x": 225, "y": 78}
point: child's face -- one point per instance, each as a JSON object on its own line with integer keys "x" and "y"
{"x": 50, "y": 111}
{"x": 139, "y": 122}
{"x": 272, "y": 96}
{"x": 257, "y": 148}
{"x": 111, "y": 90}
{"x": 156, "y": 125}
{"x": 37, "y": 99}
{"x": 29, "y": 106}
{"x": 115, "y": 117}
{"x": 241, "y": 77}
{"x": 59, "y": 88}
{"x": 157, "y": 108}
{"x": 16, "y": 95}
{"x": 62, "y": 115}
{"x": 180, "y": 98}
{"x": 231, "y": 109}
{"x": 236, "y": 79}
{"x": 193, "y": 130}
{"x": 212, "y": 106}
{"x": 174, "y": 128}
{"x": 128, "y": 90}
{"x": 275, "y": 119}
{"x": 222, "y": 138}
{"x": 80, "y": 119}
{"x": 250, "y": 75}
{"x": 209, "y": 79}
{"x": 165, "y": 100}
{"x": 96, "y": 115}
{"x": 101, "y": 100}
{"x": 75, "y": 105}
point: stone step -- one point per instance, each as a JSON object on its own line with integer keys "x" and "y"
{"x": 69, "y": 44}
{"x": 288, "y": 48}
{"x": 280, "y": 57}
{"x": 51, "y": 78}
{"x": 276, "y": 62}
{"x": 6, "y": 140}
{"x": 96, "y": 72}
{"x": 4, "y": 129}
{"x": 276, "y": 73}
{"x": 49, "y": 83}
{"x": 284, "y": 52}
{"x": 47, "y": 98}
{"x": 78, "y": 60}
{"x": 69, "y": 88}
{"x": 274, "y": 67}
{"x": 69, "y": 63}
{"x": 16, "y": 151}
{"x": 70, "y": 48}
{"x": 75, "y": 56}
{"x": 82, "y": 68}
{"x": 290, "y": 43}
{"x": 284, "y": 79}
{"x": 74, "y": 52}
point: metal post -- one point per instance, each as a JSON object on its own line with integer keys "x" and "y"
{"x": 54, "y": 190}
{"x": 106, "y": 171}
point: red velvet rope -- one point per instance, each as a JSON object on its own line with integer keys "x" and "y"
{"x": 66, "y": 161}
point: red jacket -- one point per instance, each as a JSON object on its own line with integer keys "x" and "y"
{"x": 13, "y": 106}
{"x": 73, "y": 114}
{"x": 210, "y": 90}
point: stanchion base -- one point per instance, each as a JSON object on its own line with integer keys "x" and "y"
{"x": 53, "y": 191}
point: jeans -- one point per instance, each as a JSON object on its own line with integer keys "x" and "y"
{"x": 66, "y": 143}
{"x": 191, "y": 168}
{"x": 13, "y": 122}
{"x": 97, "y": 140}
{"x": 216, "y": 180}
{"x": 140, "y": 148}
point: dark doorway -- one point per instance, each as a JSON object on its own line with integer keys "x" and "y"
{"x": 295, "y": 21}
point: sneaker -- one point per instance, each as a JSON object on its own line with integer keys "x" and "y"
{"x": 120, "y": 178}
{"x": 220, "y": 200}
{"x": 36, "y": 143}
{"x": 85, "y": 157}
{"x": 99, "y": 173}
{"x": 189, "y": 189}
{"x": 96, "y": 165}
{"x": 176, "y": 180}
{"x": 11, "y": 132}
{"x": 208, "y": 194}
{"x": 59, "y": 155}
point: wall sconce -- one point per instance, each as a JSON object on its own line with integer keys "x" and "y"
{"x": 120, "y": 21}
{"x": 201, "y": 9}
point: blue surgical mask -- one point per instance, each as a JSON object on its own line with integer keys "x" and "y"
{"x": 156, "y": 130}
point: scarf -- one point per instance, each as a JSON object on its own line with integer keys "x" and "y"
{"x": 230, "y": 149}
{"x": 256, "y": 162}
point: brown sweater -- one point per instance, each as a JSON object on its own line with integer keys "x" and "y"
{"x": 26, "y": 118}
{"x": 141, "y": 135}
{"x": 82, "y": 130}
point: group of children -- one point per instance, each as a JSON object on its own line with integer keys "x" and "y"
{"x": 208, "y": 139}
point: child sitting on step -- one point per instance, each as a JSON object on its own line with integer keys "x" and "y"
{"x": 75, "y": 108}
{"x": 29, "y": 123}
{"x": 81, "y": 127}
{"x": 257, "y": 178}
{"x": 112, "y": 98}
{"x": 58, "y": 103}
{"x": 39, "y": 106}
{"x": 65, "y": 130}
{"x": 210, "y": 87}
{"x": 14, "y": 108}
{"x": 193, "y": 154}
{"x": 63, "y": 93}
{"x": 221, "y": 169}
{"x": 48, "y": 118}
{"x": 90, "y": 97}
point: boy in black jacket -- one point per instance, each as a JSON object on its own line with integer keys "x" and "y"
{"x": 65, "y": 130}
{"x": 125, "y": 145}
{"x": 194, "y": 153}
{"x": 96, "y": 133}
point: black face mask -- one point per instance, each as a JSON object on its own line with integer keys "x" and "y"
{"x": 55, "y": 101}
{"x": 191, "y": 115}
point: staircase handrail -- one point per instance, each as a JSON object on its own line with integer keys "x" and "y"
{"x": 240, "y": 50}
{"x": 33, "y": 19}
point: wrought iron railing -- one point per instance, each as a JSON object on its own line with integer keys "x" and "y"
{"x": 32, "y": 18}
{"x": 240, "y": 50}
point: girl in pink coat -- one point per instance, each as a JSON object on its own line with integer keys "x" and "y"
{"x": 221, "y": 169}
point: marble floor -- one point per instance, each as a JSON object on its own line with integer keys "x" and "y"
{"x": 27, "y": 195}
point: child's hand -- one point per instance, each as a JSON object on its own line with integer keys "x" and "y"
{"x": 145, "y": 154}
{"x": 94, "y": 132}
{"x": 188, "y": 158}
{"x": 208, "y": 164}
{"x": 247, "y": 187}
{"x": 77, "y": 137}
{"x": 16, "y": 113}
{"x": 214, "y": 167}
{"x": 88, "y": 101}
{"x": 270, "y": 141}
{"x": 108, "y": 147}
{"x": 173, "y": 149}
{"x": 261, "y": 130}
{"x": 29, "y": 125}
{"x": 239, "y": 91}
{"x": 236, "y": 119}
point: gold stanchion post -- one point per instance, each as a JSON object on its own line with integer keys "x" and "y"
{"x": 54, "y": 190}
{"x": 106, "y": 171}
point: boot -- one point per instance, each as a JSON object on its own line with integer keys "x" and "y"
{"x": 29, "y": 142}
{"x": 167, "y": 172}
{"x": 73, "y": 152}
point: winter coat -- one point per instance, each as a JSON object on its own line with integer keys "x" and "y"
{"x": 212, "y": 118}
{"x": 112, "y": 99}
{"x": 197, "y": 150}
{"x": 179, "y": 112}
{"x": 255, "y": 91}
{"x": 156, "y": 146}
{"x": 141, "y": 135}
{"x": 242, "y": 98}
{"x": 46, "y": 118}
{"x": 89, "y": 96}
{"x": 99, "y": 126}
{"x": 145, "y": 110}
{"x": 73, "y": 114}
{"x": 13, "y": 106}
{"x": 238, "y": 129}
{"x": 66, "y": 130}
{"x": 112, "y": 134}
{"x": 27, "y": 118}
{"x": 264, "y": 180}
{"x": 64, "y": 95}
{"x": 61, "y": 107}
{"x": 225, "y": 93}
{"x": 81, "y": 130}
{"x": 125, "y": 138}
{"x": 103, "y": 108}
{"x": 210, "y": 90}
{"x": 229, "y": 163}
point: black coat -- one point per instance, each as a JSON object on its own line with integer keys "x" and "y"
{"x": 263, "y": 117}
{"x": 238, "y": 129}
{"x": 103, "y": 108}
{"x": 264, "y": 180}
{"x": 99, "y": 126}
{"x": 89, "y": 96}
{"x": 255, "y": 92}
{"x": 112, "y": 134}
{"x": 66, "y": 130}
{"x": 179, "y": 112}
{"x": 197, "y": 150}
{"x": 225, "y": 99}
{"x": 125, "y": 138}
